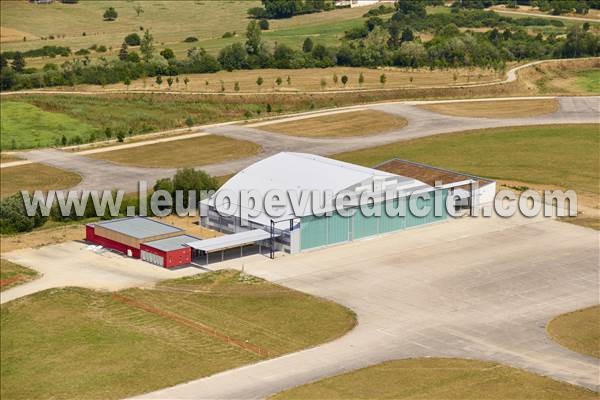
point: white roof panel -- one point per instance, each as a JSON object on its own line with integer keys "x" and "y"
{"x": 229, "y": 241}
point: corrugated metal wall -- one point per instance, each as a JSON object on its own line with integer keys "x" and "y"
{"x": 327, "y": 230}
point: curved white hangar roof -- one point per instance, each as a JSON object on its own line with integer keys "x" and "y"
{"x": 300, "y": 171}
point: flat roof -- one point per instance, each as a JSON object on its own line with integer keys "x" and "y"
{"x": 139, "y": 227}
{"x": 427, "y": 173}
{"x": 172, "y": 243}
{"x": 229, "y": 241}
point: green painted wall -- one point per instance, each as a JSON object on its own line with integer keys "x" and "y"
{"x": 327, "y": 230}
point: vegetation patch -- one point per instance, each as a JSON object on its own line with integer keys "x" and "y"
{"x": 437, "y": 378}
{"x": 496, "y": 109}
{"x": 92, "y": 345}
{"x": 354, "y": 123}
{"x": 193, "y": 152}
{"x": 36, "y": 177}
{"x": 5, "y": 158}
{"x": 26, "y": 126}
{"x": 12, "y": 274}
{"x": 578, "y": 330}
{"x": 557, "y": 155}
{"x": 589, "y": 81}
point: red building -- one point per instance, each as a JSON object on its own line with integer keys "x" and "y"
{"x": 138, "y": 237}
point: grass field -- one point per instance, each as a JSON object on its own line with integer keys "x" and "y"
{"x": 354, "y": 123}
{"x": 589, "y": 80}
{"x": 308, "y": 79}
{"x": 35, "y": 177}
{"x": 78, "y": 343}
{"x": 183, "y": 153}
{"x": 437, "y": 378}
{"x": 559, "y": 155}
{"x": 578, "y": 330}
{"x": 26, "y": 126}
{"x": 13, "y": 274}
{"x": 496, "y": 109}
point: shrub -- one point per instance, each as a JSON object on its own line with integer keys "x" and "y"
{"x": 133, "y": 39}
{"x": 190, "y": 39}
{"x": 227, "y": 35}
{"x": 110, "y": 14}
{"x": 263, "y": 24}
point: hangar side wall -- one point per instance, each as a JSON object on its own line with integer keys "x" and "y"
{"x": 321, "y": 231}
{"x": 172, "y": 258}
{"x": 90, "y": 236}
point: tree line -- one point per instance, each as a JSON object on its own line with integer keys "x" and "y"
{"x": 392, "y": 41}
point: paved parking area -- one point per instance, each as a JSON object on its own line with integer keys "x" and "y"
{"x": 73, "y": 264}
{"x": 470, "y": 288}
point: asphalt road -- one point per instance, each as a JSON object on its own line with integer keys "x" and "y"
{"x": 101, "y": 175}
{"x": 470, "y": 288}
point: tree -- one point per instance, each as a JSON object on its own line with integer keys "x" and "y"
{"x": 138, "y": 10}
{"x": 63, "y": 140}
{"x": 269, "y": 108}
{"x": 186, "y": 80}
{"x": 127, "y": 82}
{"x": 120, "y": 137}
{"x": 407, "y": 35}
{"x": 189, "y": 121}
{"x": 123, "y": 53}
{"x": 382, "y": 79}
{"x": 159, "y": 80}
{"x": 259, "y": 81}
{"x": 167, "y": 54}
{"x": 133, "y": 57}
{"x": 170, "y": 82}
{"x": 236, "y": 86}
{"x": 323, "y": 83}
{"x": 335, "y": 79}
{"x": 108, "y": 133}
{"x": 147, "y": 46}
{"x": 585, "y": 26}
{"x": 110, "y": 14}
{"x": 233, "y": 57}
{"x": 263, "y": 24}
{"x": 18, "y": 63}
{"x": 307, "y": 46}
{"x": 278, "y": 81}
{"x": 188, "y": 179}
{"x": 253, "y": 38}
{"x": 344, "y": 80}
{"x": 289, "y": 80}
{"x": 133, "y": 39}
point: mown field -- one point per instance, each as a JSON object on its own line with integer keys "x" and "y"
{"x": 578, "y": 330}
{"x": 437, "y": 378}
{"x": 563, "y": 156}
{"x": 35, "y": 177}
{"x": 78, "y": 343}
{"x": 12, "y": 274}
{"x": 496, "y": 109}
{"x": 346, "y": 124}
{"x": 183, "y": 153}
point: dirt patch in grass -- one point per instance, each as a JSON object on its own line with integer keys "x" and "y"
{"x": 183, "y": 153}
{"x": 496, "y": 109}
{"x": 437, "y": 378}
{"x": 355, "y": 123}
{"x": 91, "y": 345}
{"x": 578, "y": 331}
{"x": 13, "y": 274}
{"x": 35, "y": 177}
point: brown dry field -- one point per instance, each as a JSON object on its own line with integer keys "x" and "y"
{"x": 4, "y": 158}
{"x": 353, "y": 123}
{"x": 578, "y": 330}
{"x": 557, "y": 77}
{"x": 42, "y": 237}
{"x": 35, "y": 177}
{"x": 190, "y": 225}
{"x": 308, "y": 79}
{"x": 182, "y": 153}
{"x": 496, "y": 109}
{"x": 14, "y": 35}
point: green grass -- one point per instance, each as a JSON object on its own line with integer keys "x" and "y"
{"x": 25, "y": 126}
{"x": 560, "y": 155}
{"x": 578, "y": 330}
{"x": 589, "y": 81}
{"x": 78, "y": 343}
{"x": 13, "y": 274}
{"x": 437, "y": 378}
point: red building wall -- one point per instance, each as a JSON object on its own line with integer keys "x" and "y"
{"x": 90, "y": 236}
{"x": 171, "y": 258}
